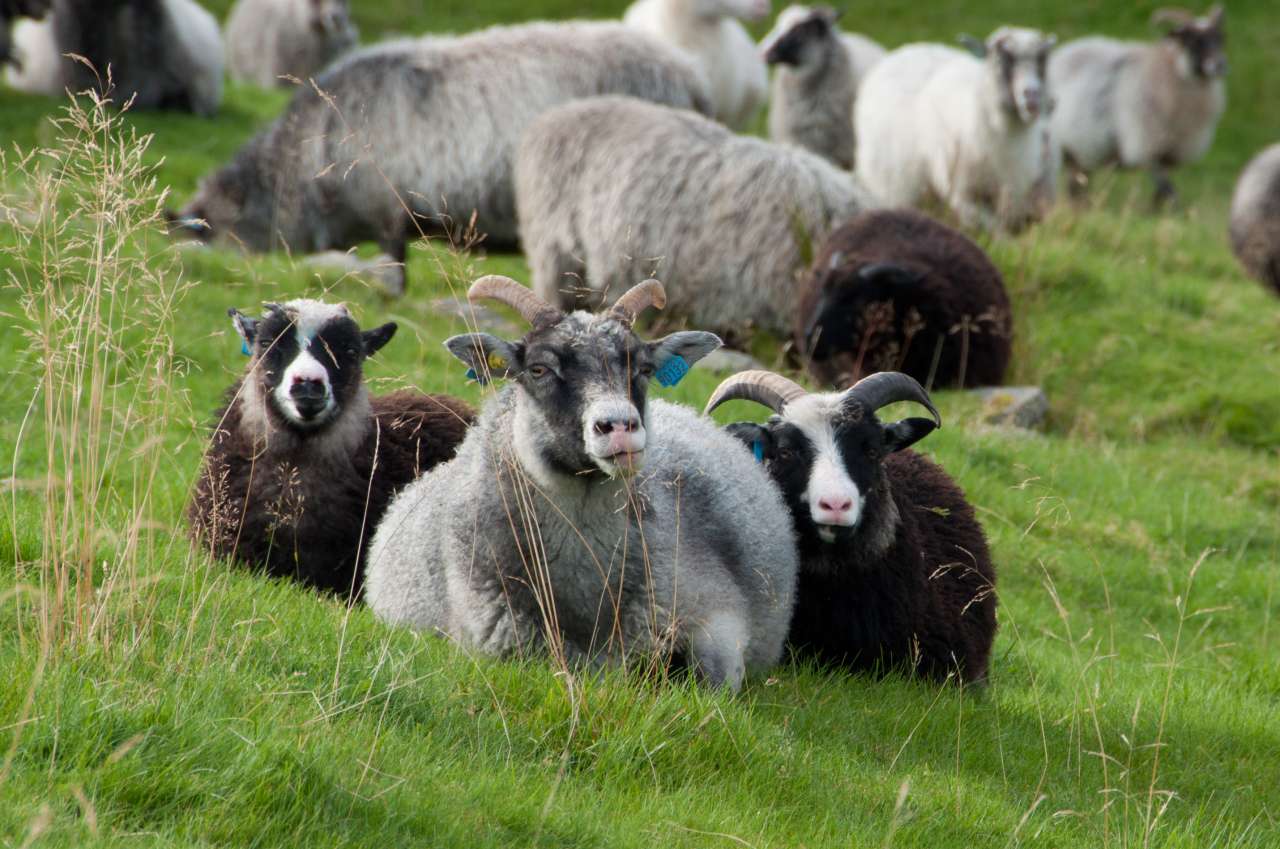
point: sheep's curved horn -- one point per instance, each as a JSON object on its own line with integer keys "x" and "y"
{"x": 885, "y": 387}
{"x": 764, "y": 387}
{"x": 637, "y": 299}
{"x": 1172, "y": 15}
{"x": 504, "y": 290}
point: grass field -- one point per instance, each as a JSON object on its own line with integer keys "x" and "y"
{"x": 152, "y": 697}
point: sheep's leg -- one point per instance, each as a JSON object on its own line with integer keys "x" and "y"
{"x": 395, "y": 278}
{"x": 1165, "y": 194}
{"x": 716, "y": 649}
{"x": 1077, "y": 181}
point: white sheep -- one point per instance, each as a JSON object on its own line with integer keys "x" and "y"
{"x": 816, "y": 81}
{"x": 269, "y": 41}
{"x": 1255, "y": 218}
{"x": 612, "y": 189}
{"x": 710, "y": 30}
{"x": 1140, "y": 105}
{"x": 972, "y": 133}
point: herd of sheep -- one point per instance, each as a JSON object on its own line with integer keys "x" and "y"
{"x": 573, "y": 514}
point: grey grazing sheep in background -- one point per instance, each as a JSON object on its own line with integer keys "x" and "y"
{"x": 612, "y": 189}
{"x": 422, "y": 134}
{"x": 269, "y": 41}
{"x": 1255, "y": 218}
{"x": 11, "y": 10}
{"x": 581, "y": 517}
{"x": 161, "y": 54}
{"x": 894, "y": 290}
{"x": 303, "y": 461}
{"x": 895, "y": 571}
{"x": 1137, "y": 105}
{"x": 815, "y": 84}
{"x": 973, "y": 133}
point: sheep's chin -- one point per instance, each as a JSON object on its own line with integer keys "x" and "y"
{"x": 624, "y": 464}
{"x": 826, "y": 534}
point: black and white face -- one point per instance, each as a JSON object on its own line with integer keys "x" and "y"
{"x": 1203, "y": 46}
{"x": 583, "y": 385}
{"x": 308, "y": 360}
{"x": 1019, "y": 58}
{"x": 825, "y": 452}
{"x": 798, "y": 36}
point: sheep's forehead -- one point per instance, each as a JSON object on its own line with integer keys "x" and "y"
{"x": 309, "y": 316}
{"x": 820, "y": 414}
{"x": 793, "y": 16}
{"x": 1018, "y": 41}
{"x": 584, "y": 331}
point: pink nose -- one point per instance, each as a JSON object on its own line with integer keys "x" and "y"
{"x": 836, "y": 505}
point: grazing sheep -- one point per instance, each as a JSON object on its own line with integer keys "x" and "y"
{"x": 269, "y": 41}
{"x": 1255, "y": 217}
{"x": 422, "y": 134}
{"x": 816, "y": 81}
{"x": 1136, "y": 105}
{"x": 894, "y": 566}
{"x": 161, "y": 54}
{"x": 972, "y": 133}
{"x": 710, "y": 31}
{"x": 11, "y": 10}
{"x": 612, "y": 189}
{"x": 894, "y": 290}
{"x": 580, "y": 518}
{"x": 303, "y": 461}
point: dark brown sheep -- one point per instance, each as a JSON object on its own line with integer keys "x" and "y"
{"x": 896, "y": 290}
{"x": 303, "y": 462}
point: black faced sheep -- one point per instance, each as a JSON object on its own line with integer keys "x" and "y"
{"x": 303, "y": 461}
{"x": 894, "y": 566}
{"x": 1255, "y": 218}
{"x": 269, "y": 41}
{"x": 894, "y": 290}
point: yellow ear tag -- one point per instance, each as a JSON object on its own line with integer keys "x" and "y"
{"x": 497, "y": 361}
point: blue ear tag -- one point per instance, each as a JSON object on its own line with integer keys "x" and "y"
{"x": 672, "y": 371}
{"x": 757, "y": 448}
{"x": 471, "y": 375}
{"x": 244, "y": 347}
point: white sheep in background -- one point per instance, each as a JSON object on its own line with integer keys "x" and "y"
{"x": 271, "y": 40}
{"x": 816, "y": 82}
{"x": 972, "y": 133}
{"x": 710, "y": 30}
{"x": 612, "y": 189}
{"x": 1255, "y": 218}
{"x": 1140, "y": 105}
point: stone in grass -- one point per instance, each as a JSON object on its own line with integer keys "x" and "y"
{"x": 728, "y": 360}
{"x": 1014, "y": 406}
{"x": 381, "y": 269}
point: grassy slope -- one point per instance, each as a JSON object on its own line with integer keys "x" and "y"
{"x": 229, "y": 710}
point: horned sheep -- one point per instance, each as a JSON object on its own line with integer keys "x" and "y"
{"x": 816, "y": 82}
{"x": 934, "y": 121}
{"x": 582, "y": 518}
{"x": 280, "y": 42}
{"x": 158, "y": 54}
{"x": 1140, "y": 105}
{"x": 1255, "y": 217}
{"x": 895, "y": 572}
{"x": 303, "y": 461}
{"x": 895, "y": 290}
{"x": 613, "y": 189}
{"x": 422, "y": 134}
{"x": 711, "y": 31}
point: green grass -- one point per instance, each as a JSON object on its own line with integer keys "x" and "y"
{"x": 1134, "y": 685}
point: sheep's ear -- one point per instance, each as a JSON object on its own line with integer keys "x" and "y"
{"x": 973, "y": 45}
{"x": 1216, "y": 15}
{"x": 757, "y": 438}
{"x": 247, "y": 327}
{"x": 486, "y": 356}
{"x": 827, "y": 13}
{"x": 377, "y": 337}
{"x": 906, "y": 433}
{"x": 673, "y": 355}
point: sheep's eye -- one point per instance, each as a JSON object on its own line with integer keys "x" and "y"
{"x": 353, "y": 352}
{"x": 785, "y": 455}
{"x": 538, "y": 372}
{"x": 647, "y": 370}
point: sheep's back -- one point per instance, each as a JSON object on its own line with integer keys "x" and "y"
{"x": 1255, "y": 217}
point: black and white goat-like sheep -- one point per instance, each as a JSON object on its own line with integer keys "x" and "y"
{"x": 582, "y": 517}
{"x": 894, "y": 566}
{"x": 895, "y": 290}
{"x": 1255, "y": 218}
{"x": 420, "y": 136}
{"x": 279, "y": 42}
{"x": 303, "y": 461}
{"x": 157, "y": 54}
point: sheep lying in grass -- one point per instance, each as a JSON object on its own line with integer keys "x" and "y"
{"x": 972, "y": 133}
{"x": 269, "y": 41}
{"x": 422, "y": 134}
{"x": 581, "y": 517}
{"x": 303, "y": 461}
{"x": 816, "y": 82}
{"x": 894, "y": 566}
{"x": 894, "y": 290}
{"x": 1153, "y": 106}
{"x": 161, "y": 54}
{"x": 711, "y": 31}
{"x": 1255, "y": 217}
{"x": 612, "y": 189}
{"x": 10, "y": 11}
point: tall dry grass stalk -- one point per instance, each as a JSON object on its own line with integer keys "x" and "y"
{"x": 98, "y": 288}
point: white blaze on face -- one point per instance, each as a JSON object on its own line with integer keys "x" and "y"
{"x": 832, "y": 496}
{"x": 308, "y": 318}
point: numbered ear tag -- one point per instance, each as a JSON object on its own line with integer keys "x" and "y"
{"x": 672, "y": 371}
{"x": 497, "y": 361}
{"x": 757, "y": 448}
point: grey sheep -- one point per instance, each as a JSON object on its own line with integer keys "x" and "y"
{"x": 581, "y": 519}
{"x": 269, "y": 41}
{"x": 612, "y": 189}
{"x": 422, "y": 133}
{"x": 1255, "y": 218}
{"x": 1140, "y": 105}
